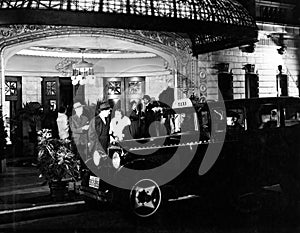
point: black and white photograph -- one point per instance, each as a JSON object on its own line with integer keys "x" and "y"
{"x": 150, "y": 116}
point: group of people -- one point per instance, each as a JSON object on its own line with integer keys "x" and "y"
{"x": 107, "y": 126}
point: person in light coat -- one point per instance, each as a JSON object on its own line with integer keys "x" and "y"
{"x": 62, "y": 123}
{"x": 119, "y": 126}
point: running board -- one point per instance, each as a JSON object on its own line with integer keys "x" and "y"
{"x": 184, "y": 198}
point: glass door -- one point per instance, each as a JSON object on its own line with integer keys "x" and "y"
{"x": 121, "y": 91}
{"x": 135, "y": 90}
{"x": 114, "y": 89}
{"x": 50, "y": 93}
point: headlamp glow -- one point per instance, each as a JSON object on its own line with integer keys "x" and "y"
{"x": 96, "y": 158}
{"x": 116, "y": 160}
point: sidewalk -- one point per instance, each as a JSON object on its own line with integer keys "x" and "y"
{"x": 23, "y": 195}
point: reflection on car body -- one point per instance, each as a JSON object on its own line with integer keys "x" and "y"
{"x": 261, "y": 148}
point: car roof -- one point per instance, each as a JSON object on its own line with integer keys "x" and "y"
{"x": 264, "y": 100}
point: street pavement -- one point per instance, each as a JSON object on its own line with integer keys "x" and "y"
{"x": 26, "y": 206}
{"x": 25, "y": 195}
{"x": 193, "y": 216}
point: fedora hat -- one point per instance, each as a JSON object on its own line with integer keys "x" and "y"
{"x": 104, "y": 106}
{"x": 147, "y": 97}
{"x": 77, "y": 105}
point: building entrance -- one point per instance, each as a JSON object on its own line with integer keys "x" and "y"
{"x": 56, "y": 92}
{"x": 13, "y": 94}
{"x": 122, "y": 90}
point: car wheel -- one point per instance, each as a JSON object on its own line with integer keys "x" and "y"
{"x": 145, "y": 198}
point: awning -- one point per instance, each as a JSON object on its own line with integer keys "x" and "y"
{"x": 210, "y": 24}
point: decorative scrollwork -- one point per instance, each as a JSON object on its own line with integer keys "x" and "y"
{"x": 15, "y": 30}
{"x": 173, "y": 41}
{"x": 220, "y": 11}
{"x": 65, "y": 67}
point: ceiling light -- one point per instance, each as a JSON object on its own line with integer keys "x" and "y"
{"x": 82, "y": 70}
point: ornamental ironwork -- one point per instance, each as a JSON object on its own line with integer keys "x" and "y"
{"x": 208, "y": 24}
{"x": 221, "y": 11}
{"x": 11, "y": 34}
{"x": 114, "y": 88}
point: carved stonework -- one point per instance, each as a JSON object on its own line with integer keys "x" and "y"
{"x": 65, "y": 67}
{"x": 171, "y": 42}
{"x": 168, "y": 39}
{"x": 16, "y": 30}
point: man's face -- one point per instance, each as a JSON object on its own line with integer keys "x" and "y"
{"x": 146, "y": 101}
{"x": 79, "y": 111}
{"x": 106, "y": 112}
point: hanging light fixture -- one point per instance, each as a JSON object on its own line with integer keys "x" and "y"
{"x": 82, "y": 70}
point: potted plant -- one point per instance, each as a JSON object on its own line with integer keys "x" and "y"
{"x": 57, "y": 163}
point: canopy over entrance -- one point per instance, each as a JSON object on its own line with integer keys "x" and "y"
{"x": 210, "y": 24}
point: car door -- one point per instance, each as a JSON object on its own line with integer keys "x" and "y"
{"x": 264, "y": 144}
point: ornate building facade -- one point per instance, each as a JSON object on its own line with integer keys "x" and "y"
{"x": 226, "y": 49}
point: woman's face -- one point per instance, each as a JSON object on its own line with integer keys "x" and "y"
{"x": 118, "y": 115}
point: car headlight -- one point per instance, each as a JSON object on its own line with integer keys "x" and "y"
{"x": 96, "y": 158}
{"x": 116, "y": 160}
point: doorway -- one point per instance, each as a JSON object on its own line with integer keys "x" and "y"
{"x": 121, "y": 91}
{"x": 56, "y": 92}
{"x": 13, "y": 94}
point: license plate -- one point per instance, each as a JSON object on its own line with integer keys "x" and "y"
{"x": 94, "y": 182}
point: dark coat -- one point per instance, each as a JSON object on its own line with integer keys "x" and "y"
{"x": 98, "y": 135}
{"x": 135, "y": 124}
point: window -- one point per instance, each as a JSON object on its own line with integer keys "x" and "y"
{"x": 134, "y": 87}
{"x": 11, "y": 88}
{"x": 51, "y": 88}
{"x": 185, "y": 120}
{"x": 292, "y": 115}
{"x": 269, "y": 116}
{"x": 114, "y": 87}
{"x": 235, "y": 119}
{"x": 218, "y": 120}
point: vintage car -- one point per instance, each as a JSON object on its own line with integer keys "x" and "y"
{"x": 221, "y": 150}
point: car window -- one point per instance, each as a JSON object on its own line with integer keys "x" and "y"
{"x": 235, "y": 119}
{"x": 218, "y": 119}
{"x": 292, "y": 115}
{"x": 185, "y": 120}
{"x": 269, "y": 116}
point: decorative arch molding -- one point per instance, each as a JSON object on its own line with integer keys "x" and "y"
{"x": 167, "y": 42}
{"x": 177, "y": 48}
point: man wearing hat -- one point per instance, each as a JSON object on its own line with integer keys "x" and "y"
{"x": 79, "y": 126}
{"x": 99, "y": 131}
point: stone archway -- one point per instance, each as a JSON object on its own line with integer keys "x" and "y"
{"x": 176, "y": 50}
